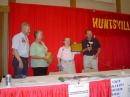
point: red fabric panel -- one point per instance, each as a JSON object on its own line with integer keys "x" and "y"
{"x": 41, "y": 91}
{"x": 100, "y": 88}
{"x": 58, "y": 22}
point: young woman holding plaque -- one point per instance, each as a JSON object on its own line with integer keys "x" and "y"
{"x": 66, "y": 57}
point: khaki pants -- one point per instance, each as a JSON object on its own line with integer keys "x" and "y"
{"x": 90, "y": 62}
{"x": 68, "y": 66}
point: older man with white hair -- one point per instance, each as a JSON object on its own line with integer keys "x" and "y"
{"x": 20, "y": 47}
{"x": 91, "y": 49}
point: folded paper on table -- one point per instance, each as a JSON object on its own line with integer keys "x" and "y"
{"x": 76, "y": 47}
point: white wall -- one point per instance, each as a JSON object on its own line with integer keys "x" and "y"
{"x": 89, "y": 4}
{"x": 93, "y": 4}
{"x": 3, "y": 2}
{"x": 46, "y": 2}
{"x": 125, "y": 6}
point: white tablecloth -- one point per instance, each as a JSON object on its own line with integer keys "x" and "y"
{"x": 77, "y": 88}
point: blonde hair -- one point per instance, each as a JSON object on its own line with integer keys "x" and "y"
{"x": 66, "y": 38}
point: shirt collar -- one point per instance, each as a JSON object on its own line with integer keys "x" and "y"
{"x": 22, "y": 34}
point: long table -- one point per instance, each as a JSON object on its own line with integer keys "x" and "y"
{"x": 115, "y": 84}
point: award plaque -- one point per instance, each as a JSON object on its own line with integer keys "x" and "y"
{"x": 76, "y": 47}
{"x": 50, "y": 58}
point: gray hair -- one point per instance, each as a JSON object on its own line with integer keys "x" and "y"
{"x": 24, "y": 24}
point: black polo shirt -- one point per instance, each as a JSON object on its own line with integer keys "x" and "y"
{"x": 94, "y": 43}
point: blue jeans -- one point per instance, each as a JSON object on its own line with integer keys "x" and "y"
{"x": 18, "y": 71}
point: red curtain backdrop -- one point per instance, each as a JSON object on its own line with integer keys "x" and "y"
{"x": 58, "y": 22}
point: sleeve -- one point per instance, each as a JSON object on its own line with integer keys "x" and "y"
{"x": 15, "y": 42}
{"x": 32, "y": 50}
{"x": 83, "y": 44}
{"x": 98, "y": 45}
{"x": 59, "y": 53}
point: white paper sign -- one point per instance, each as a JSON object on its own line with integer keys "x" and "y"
{"x": 79, "y": 90}
{"x": 120, "y": 87}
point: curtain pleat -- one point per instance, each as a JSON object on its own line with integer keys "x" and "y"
{"x": 100, "y": 88}
{"x": 41, "y": 91}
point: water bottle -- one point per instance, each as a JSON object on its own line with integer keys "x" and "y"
{"x": 8, "y": 79}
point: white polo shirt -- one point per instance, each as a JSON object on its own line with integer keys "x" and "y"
{"x": 21, "y": 43}
{"x": 65, "y": 54}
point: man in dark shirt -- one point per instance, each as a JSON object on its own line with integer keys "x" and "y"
{"x": 91, "y": 49}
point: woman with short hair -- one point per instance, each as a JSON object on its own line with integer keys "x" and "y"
{"x": 66, "y": 57}
{"x": 38, "y": 53}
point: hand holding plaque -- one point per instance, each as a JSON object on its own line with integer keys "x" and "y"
{"x": 76, "y": 47}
